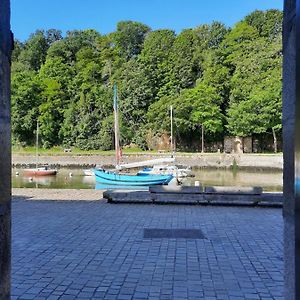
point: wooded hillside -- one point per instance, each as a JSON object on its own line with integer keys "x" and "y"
{"x": 228, "y": 79}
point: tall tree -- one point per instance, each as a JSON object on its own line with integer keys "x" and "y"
{"x": 25, "y": 99}
{"x": 130, "y": 37}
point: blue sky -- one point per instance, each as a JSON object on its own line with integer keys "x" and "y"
{"x": 103, "y": 15}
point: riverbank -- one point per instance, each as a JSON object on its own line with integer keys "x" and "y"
{"x": 195, "y": 160}
{"x": 56, "y": 194}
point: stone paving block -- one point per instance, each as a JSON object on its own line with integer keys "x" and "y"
{"x": 233, "y": 190}
{"x": 176, "y": 189}
{"x": 177, "y": 198}
{"x": 67, "y": 297}
{"x": 94, "y": 250}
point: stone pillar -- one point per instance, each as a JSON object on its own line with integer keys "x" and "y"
{"x": 291, "y": 147}
{"x": 5, "y": 152}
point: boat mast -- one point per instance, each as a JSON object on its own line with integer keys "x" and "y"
{"x": 117, "y": 135}
{"x": 171, "y": 140}
{"x": 37, "y": 144}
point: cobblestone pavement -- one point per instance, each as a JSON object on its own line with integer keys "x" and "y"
{"x": 95, "y": 250}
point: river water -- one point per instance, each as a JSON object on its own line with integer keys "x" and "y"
{"x": 74, "y": 179}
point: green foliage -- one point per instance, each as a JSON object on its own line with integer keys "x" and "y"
{"x": 26, "y": 99}
{"x": 33, "y": 53}
{"x": 186, "y": 64}
{"x": 130, "y": 37}
{"x": 255, "y": 96}
{"x": 268, "y": 23}
{"x": 228, "y": 80}
{"x": 192, "y": 108}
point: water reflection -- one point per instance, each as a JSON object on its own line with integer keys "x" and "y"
{"x": 39, "y": 180}
{"x": 268, "y": 180}
{"x": 74, "y": 179}
{"x": 90, "y": 180}
{"x": 65, "y": 178}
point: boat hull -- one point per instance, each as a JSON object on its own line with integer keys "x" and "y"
{"x": 166, "y": 170}
{"x": 112, "y": 178}
{"x": 37, "y": 172}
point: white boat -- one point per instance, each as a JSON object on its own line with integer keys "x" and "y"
{"x": 88, "y": 172}
{"x": 146, "y": 163}
{"x": 163, "y": 166}
{"x": 39, "y": 170}
{"x": 167, "y": 170}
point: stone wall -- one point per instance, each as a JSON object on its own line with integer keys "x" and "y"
{"x": 237, "y": 144}
{"x": 196, "y": 160}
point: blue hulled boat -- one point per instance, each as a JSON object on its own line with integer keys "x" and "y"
{"x": 113, "y": 178}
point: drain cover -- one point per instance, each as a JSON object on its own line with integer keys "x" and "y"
{"x": 156, "y": 233}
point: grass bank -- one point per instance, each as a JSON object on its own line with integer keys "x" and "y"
{"x": 59, "y": 151}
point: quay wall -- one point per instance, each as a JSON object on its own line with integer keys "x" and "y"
{"x": 195, "y": 160}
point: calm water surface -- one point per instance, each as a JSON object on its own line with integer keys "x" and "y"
{"x": 74, "y": 179}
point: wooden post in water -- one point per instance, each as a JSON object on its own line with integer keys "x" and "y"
{"x": 6, "y": 44}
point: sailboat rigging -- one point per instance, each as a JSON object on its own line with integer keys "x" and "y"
{"x": 39, "y": 171}
{"x": 165, "y": 167}
{"x": 113, "y": 177}
{"x": 117, "y": 132}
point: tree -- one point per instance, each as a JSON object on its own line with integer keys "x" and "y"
{"x": 67, "y": 48}
{"x": 136, "y": 94}
{"x": 129, "y": 38}
{"x": 268, "y": 23}
{"x": 56, "y": 78}
{"x": 35, "y": 51}
{"x": 186, "y": 65}
{"x": 26, "y": 99}
{"x": 155, "y": 61}
{"x": 35, "y": 48}
{"x": 255, "y": 96}
{"x": 193, "y": 108}
{"x": 228, "y": 79}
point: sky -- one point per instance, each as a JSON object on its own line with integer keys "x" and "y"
{"x": 102, "y": 15}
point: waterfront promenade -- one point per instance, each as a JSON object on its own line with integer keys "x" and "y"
{"x": 95, "y": 250}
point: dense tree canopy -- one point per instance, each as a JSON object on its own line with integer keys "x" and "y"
{"x": 225, "y": 79}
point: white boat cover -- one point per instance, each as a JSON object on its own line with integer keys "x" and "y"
{"x": 145, "y": 163}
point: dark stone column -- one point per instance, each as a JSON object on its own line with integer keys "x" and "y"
{"x": 5, "y": 152}
{"x": 291, "y": 149}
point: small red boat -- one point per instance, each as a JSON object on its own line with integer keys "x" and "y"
{"x": 42, "y": 171}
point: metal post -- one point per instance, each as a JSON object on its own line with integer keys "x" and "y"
{"x": 5, "y": 150}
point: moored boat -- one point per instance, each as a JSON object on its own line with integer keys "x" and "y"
{"x": 114, "y": 178}
{"x": 166, "y": 169}
{"x": 41, "y": 171}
